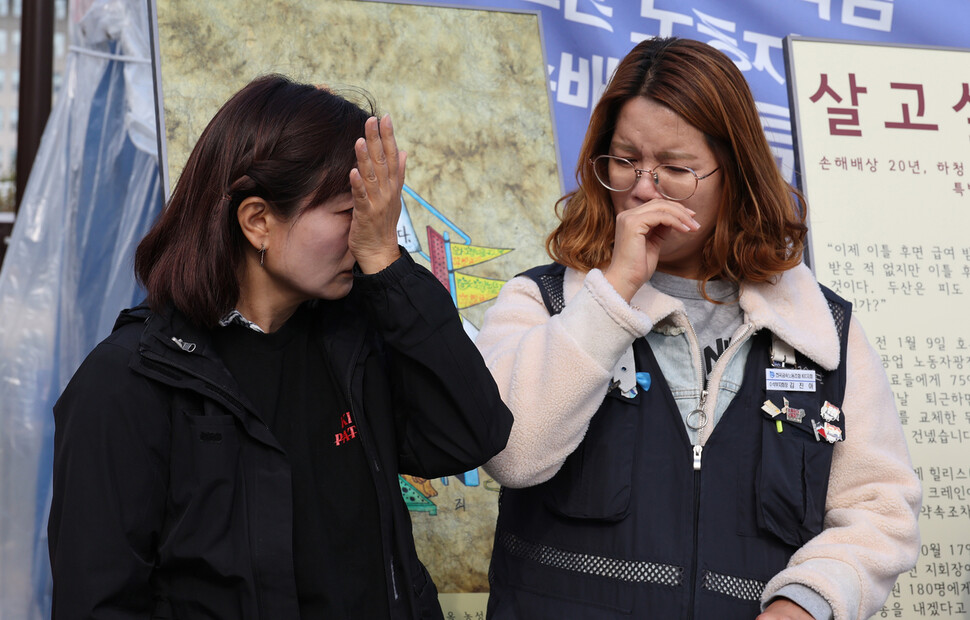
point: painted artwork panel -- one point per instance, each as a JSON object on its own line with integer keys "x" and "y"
{"x": 467, "y": 91}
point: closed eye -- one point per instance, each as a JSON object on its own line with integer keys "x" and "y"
{"x": 677, "y": 170}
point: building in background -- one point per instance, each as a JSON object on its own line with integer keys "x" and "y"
{"x": 10, "y": 13}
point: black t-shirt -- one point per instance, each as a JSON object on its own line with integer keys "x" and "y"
{"x": 337, "y": 551}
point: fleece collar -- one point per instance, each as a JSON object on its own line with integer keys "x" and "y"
{"x": 792, "y": 307}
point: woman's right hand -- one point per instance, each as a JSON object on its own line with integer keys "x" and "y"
{"x": 636, "y": 246}
{"x": 376, "y": 185}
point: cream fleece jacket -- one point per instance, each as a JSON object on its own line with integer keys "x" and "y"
{"x": 553, "y": 372}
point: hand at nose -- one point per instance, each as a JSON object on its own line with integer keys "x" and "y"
{"x": 636, "y": 243}
{"x": 376, "y": 186}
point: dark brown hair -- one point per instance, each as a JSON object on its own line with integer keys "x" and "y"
{"x": 760, "y": 229}
{"x": 290, "y": 144}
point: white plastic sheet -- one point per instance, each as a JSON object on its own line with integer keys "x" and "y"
{"x": 92, "y": 194}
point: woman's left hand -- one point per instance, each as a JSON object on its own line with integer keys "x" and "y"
{"x": 784, "y": 609}
{"x": 376, "y": 185}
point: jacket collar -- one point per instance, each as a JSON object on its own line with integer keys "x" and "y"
{"x": 792, "y": 307}
{"x": 176, "y": 353}
{"x": 170, "y": 339}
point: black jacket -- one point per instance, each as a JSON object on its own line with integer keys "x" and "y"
{"x": 172, "y": 499}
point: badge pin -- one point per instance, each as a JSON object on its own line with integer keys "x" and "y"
{"x": 770, "y": 408}
{"x": 828, "y": 432}
{"x": 830, "y": 413}
{"x": 832, "y": 433}
{"x": 819, "y": 431}
{"x": 792, "y": 414}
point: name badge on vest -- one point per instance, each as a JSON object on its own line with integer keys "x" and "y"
{"x": 789, "y": 380}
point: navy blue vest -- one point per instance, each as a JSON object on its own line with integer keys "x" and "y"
{"x": 628, "y": 527}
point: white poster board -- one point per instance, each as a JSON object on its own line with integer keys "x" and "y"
{"x": 882, "y": 141}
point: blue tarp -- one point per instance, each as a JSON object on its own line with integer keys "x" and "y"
{"x": 93, "y": 192}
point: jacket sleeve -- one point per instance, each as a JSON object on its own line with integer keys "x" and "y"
{"x": 449, "y": 415}
{"x": 870, "y": 533}
{"x": 109, "y": 486}
{"x": 553, "y": 371}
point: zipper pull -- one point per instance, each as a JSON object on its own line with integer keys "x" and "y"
{"x": 188, "y": 347}
{"x": 697, "y": 457}
{"x": 697, "y": 419}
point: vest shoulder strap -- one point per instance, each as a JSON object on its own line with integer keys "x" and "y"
{"x": 841, "y": 310}
{"x": 841, "y": 313}
{"x": 550, "y": 280}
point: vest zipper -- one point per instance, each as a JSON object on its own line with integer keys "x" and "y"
{"x": 703, "y": 406}
{"x": 697, "y": 523}
{"x": 697, "y": 450}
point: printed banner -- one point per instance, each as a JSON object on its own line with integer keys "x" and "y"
{"x": 883, "y": 150}
{"x": 583, "y": 41}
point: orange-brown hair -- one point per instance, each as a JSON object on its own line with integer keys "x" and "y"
{"x": 760, "y": 229}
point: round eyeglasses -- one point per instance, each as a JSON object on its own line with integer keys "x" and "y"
{"x": 619, "y": 174}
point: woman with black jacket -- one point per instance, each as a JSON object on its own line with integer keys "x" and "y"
{"x": 231, "y": 450}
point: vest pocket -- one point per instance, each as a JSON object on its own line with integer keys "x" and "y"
{"x": 792, "y": 481}
{"x": 596, "y": 480}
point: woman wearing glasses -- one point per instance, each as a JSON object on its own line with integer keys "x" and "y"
{"x": 701, "y": 430}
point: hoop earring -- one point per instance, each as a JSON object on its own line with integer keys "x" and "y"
{"x": 262, "y": 253}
